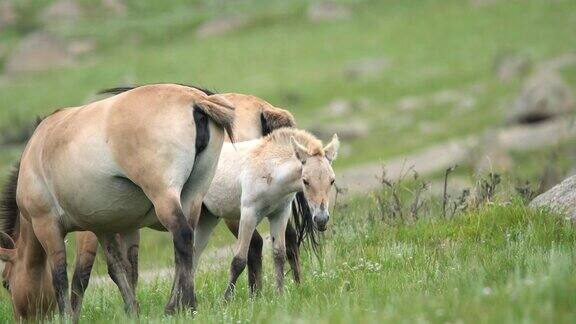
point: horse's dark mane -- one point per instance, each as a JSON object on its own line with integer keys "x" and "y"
{"x": 119, "y": 90}
{"x": 8, "y": 205}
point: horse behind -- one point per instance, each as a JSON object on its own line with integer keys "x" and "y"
{"x": 147, "y": 155}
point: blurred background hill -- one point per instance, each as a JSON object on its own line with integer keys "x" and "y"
{"x": 392, "y": 77}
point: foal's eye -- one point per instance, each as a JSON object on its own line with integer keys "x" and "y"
{"x": 306, "y": 183}
{"x": 332, "y": 182}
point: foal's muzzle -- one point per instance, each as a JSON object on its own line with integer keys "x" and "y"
{"x": 321, "y": 220}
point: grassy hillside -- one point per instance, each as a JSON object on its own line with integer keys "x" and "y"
{"x": 500, "y": 263}
{"x": 431, "y": 46}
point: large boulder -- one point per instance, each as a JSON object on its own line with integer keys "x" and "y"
{"x": 38, "y": 51}
{"x": 561, "y": 198}
{"x": 545, "y": 95}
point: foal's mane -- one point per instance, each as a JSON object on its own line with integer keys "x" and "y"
{"x": 281, "y": 136}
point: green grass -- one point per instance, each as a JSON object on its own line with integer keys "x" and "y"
{"x": 502, "y": 263}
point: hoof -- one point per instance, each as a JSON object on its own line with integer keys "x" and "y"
{"x": 186, "y": 303}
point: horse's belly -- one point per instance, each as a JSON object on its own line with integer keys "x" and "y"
{"x": 111, "y": 205}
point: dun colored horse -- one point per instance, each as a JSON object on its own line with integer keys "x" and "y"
{"x": 254, "y": 118}
{"x": 145, "y": 156}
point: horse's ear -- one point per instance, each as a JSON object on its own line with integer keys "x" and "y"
{"x": 300, "y": 151}
{"x": 331, "y": 150}
{"x": 7, "y": 247}
{"x": 274, "y": 118}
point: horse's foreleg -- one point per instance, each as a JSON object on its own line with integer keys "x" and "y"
{"x": 118, "y": 270}
{"x": 278, "y": 224}
{"x": 50, "y": 236}
{"x": 248, "y": 222}
{"x": 254, "y": 257}
{"x": 169, "y": 212}
{"x": 293, "y": 252}
{"x": 86, "y": 247}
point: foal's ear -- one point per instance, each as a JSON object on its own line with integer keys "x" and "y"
{"x": 300, "y": 151}
{"x": 331, "y": 150}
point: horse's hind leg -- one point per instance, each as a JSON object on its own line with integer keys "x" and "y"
{"x": 254, "y": 257}
{"x": 86, "y": 247}
{"x": 293, "y": 252}
{"x": 117, "y": 268}
{"x": 169, "y": 212}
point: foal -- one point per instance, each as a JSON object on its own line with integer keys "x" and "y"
{"x": 259, "y": 179}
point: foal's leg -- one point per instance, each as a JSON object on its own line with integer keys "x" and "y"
{"x": 49, "y": 234}
{"x": 278, "y": 223}
{"x": 248, "y": 222}
{"x": 86, "y": 247}
{"x": 206, "y": 225}
{"x": 293, "y": 251}
{"x": 117, "y": 268}
{"x": 254, "y": 257}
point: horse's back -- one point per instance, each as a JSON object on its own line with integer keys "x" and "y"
{"x": 93, "y": 164}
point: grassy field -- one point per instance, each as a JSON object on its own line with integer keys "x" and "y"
{"x": 500, "y": 263}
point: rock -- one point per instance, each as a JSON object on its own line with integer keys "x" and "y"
{"x": 350, "y": 130}
{"x": 366, "y": 68}
{"x": 116, "y": 7}
{"x": 558, "y": 63}
{"x": 491, "y": 156}
{"x": 38, "y": 51}
{"x": 561, "y": 198}
{"x": 446, "y": 97}
{"x": 62, "y": 11}
{"x": 328, "y": 11}
{"x": 341, "y": 107}
{"x": 221, "y": 25}
{"x": 545, "y": 95}
{"x": 410, "y": 103}
{"x": 81, "y": 46}
{"x": 8, "y": 15}
{"x": 510, "y": 67}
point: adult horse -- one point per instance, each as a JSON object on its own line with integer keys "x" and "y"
{"x": 254, "y": 118}
{"x": 145, "y": 156}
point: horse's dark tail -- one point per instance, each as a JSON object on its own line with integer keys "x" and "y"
{"x": 8, "y": 206}
{"x": 302, "y": 218}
